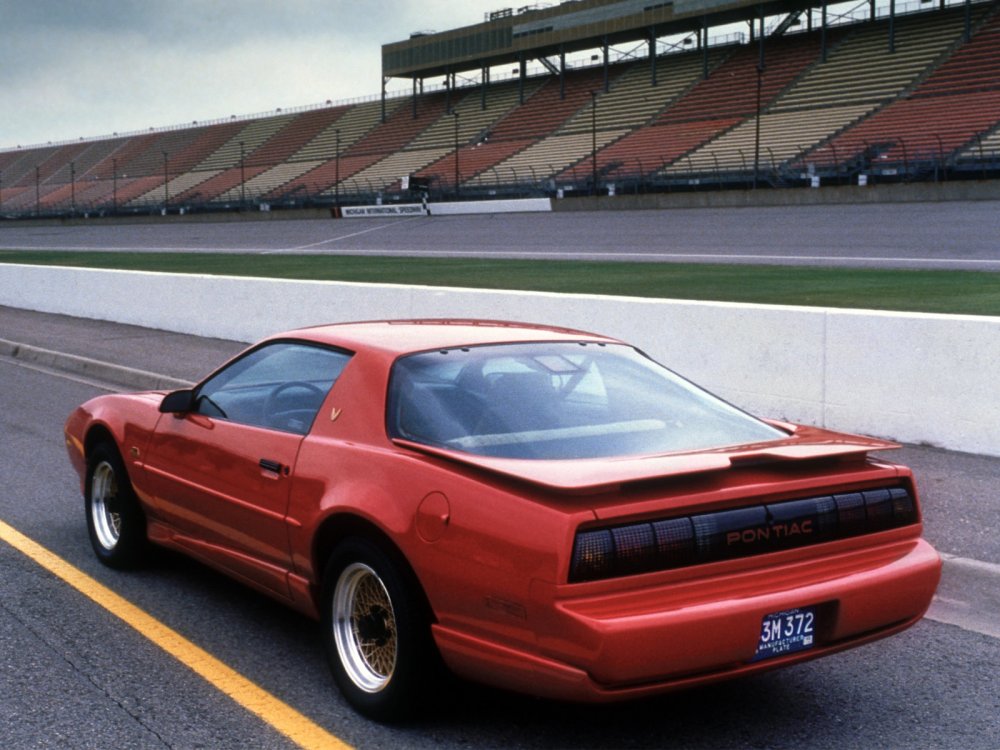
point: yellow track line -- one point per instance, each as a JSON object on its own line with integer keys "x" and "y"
{"x": 278, "y": 714}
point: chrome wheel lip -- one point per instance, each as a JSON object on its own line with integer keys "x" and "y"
{"x": 361, "y": 594}
{"x": 103, "y": 505}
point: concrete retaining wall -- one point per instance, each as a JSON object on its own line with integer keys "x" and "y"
{"x": 911, "y": 377}
{"x": 969, "y": 190}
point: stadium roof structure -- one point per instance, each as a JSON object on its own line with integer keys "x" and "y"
{"x": 512, "y": 35}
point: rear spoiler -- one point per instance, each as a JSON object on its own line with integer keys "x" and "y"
{"x": 593, "y": 475}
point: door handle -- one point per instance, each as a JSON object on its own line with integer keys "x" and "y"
{"x": 268, "y": 465}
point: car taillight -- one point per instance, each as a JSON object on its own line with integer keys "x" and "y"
{"x": 741, "y": 532}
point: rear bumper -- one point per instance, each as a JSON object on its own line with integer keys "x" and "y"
{"x": 612, "y": 645}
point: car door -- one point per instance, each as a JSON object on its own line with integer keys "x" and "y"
{"x": 220, "y": 473}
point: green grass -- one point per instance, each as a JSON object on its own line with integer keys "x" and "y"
{"x": 954, "y": 292}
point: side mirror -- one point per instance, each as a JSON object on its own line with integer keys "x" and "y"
{"x": 178, "y": 402}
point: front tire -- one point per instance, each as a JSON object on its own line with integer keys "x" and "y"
{"x": 376, "y": 632}
{"x": 115, "y": 521}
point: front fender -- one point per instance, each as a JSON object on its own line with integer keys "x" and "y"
{"x": 127, "y": 420}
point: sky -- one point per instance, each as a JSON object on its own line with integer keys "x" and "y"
{"x": 86, "y": 68}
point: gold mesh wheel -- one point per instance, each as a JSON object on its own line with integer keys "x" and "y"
{"x": 104, "y": 505}
{"x": 364, "y": 627}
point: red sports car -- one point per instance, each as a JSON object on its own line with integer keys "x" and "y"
{"x": 541, "y": 509}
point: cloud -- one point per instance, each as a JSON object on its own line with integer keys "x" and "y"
{"x": 93, "y": 67}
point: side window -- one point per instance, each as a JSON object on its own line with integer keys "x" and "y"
{"x": 280, "y": 386}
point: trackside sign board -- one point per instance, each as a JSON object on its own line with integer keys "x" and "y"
{"x": 409, "y": 209}
{"x": 527, "y": 205}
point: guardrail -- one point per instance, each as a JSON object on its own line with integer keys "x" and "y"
{"x": 912, "y": 377}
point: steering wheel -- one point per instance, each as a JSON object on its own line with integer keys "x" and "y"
{"x": 272, "y": 407}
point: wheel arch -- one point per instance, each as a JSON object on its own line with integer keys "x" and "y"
{"x": 97, "y": 434}
{"x": 340, "y": 526}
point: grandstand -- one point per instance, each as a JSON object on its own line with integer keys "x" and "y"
{"x": 627, "y": 96}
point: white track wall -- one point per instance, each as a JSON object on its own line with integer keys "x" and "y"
{"x": 912, "y": 377}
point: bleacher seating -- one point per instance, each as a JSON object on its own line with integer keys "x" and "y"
{"x": 23, "y": 180}
{"x": 469, "y": 122}
{"x": 633, "y": 102}
{"x": 711, "y": 106}
{"x": 266, "y": 182}
{"x": 934, "y": 99}
{"x": 221, "y": 170}
{"x": 473, "y": 159}
{"x": 958, "y": 101}
{"x": 384, "y": 139}
{"x": 548, "y": 158}
{"x": 131, "y": 188}
{"x": 275, "y": 154}
{"x": 987, "y": 146}
{"x": 321, "y": 152}
{"x": 346, "y": 129}
{"x": 541, "y": 119}
{"x": 783, "y": 135}
{"x": 630, "y": 101}
{"x": 129, "y": 151}
{"x": 859, "y": 75}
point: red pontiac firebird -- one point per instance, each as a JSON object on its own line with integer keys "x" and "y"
{"x": 537, "y": 508}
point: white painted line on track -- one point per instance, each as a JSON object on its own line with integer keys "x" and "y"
{"x": 397, "y": 222}
{"x": 141, "y": 250}
{"x": 608, "y": 255}
{"x": 661, "y": 256}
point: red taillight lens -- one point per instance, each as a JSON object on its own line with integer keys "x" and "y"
{"x": 594, "y": 555}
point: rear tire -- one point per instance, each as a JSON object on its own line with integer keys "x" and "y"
{"x": 376, "y": 632}
{"x": 115, "y": 521}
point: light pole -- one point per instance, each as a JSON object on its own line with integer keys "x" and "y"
{"x": 72, "y": 187}
{"x": 593, "y": 142}
{"x": 166, "y": 186}
{"x": 336, "y": 174}
{"x": 243, "y": 177}
{"x": 760, "y": 84}
{"x": 455, "y": 115}
{"x": 38, "y": 193}
{"x": 114, "y": 186}
{"x": 756, "y": 137}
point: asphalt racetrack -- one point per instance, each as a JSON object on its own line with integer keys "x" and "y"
{"x": 952, "y": 235}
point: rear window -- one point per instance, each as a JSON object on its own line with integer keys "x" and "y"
{"x": 558, "y": 401}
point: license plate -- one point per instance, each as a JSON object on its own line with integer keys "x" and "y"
{"x": 786, "y": 632}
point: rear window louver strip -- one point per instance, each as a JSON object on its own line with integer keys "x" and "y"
{"x": 723, "y": 535}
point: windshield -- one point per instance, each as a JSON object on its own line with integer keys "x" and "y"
{"x": 558, "y": 401}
